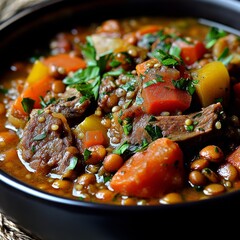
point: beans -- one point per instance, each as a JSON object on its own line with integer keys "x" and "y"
{"x": 105, "y": 195}
{"x": 110, "y": 26}
{"x": 214, "y": 189}
{"x": 86, "y": 179}
{"x": 73, "y": 150}
{"x": 212, "y": 153}
{"x": 112, "y": 162}
{"x": 171, "y": 198}
{"x": 199, "y": 164}
{"x": 197, "y": 178}
{"x": 112, "y": 100}
{"x": 130, "y": 38}
{"x": 228, "y": 172}
{"x": 210, "y": 175}
{"x": 98, "y": 153}
{"x": 58, "y": 86}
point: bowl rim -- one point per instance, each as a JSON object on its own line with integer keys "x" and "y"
{"x": 30, "y": 191}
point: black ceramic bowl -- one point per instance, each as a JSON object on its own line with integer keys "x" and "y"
{"x": 50, "y": 217}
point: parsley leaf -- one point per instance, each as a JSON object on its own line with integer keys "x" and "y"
{"x": 185, "y": 84}
{"x": 27, "y": 104}
{"x": 87, "y": 81}
{"x": 40, "y": 136}
{"x": 165, "y": 58}
{"x": 213, "y": 35}
{"x": 154, "y": 131}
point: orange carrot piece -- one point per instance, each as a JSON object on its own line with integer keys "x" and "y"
{"x": 66, "y": 61}
{"x": 33, "y": 91}
{"x": 162, "y": 96}
{"x": 234, "y": 158}
{"x": 191, "y": 52}
{"x": 93, "y": 137}
{"x": 153, "y": 172}
{"x": 148, "y": 29}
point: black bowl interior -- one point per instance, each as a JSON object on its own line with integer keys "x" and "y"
{"x": 34, "y": 26}
{"x": 54, "y": 217}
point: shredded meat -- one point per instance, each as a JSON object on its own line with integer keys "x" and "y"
{"x": 46, "y": 141}
{"x": 69, "y": 104}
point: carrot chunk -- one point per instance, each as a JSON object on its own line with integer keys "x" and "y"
{"x": 66, "y": 61}
{"x": 94, "y": 137}
{"x": 191, "y": 52}
{"x": 159, "y": 93}
{"x": 33, "y": 92}
{"x": 153, "y": 172}
{"x": 234, "y": 158}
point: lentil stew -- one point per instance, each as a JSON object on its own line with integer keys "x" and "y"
{"x": 138, "y": 111}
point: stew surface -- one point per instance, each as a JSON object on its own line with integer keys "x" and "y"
{"x": 129, "y": 111}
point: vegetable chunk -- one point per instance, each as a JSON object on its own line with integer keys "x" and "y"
{"x": 152, "y": 173}
{"x": 159, "y": 93}
{"x": 214, "y": 83}
{"x": 234, "y": 158}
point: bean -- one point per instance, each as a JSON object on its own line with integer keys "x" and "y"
{"x": 197, "y": 178}
{"x": 73, "y": 150}
{"x": 199, "y": 164}
{"x": 105, "y": 195}
{"x": 98, "y": 152}
{"x": 212, "y": 153}
{"x": 130, "y": 38}
{"x": 228, "y": 172}
{"x": 112, "y": 162}
{"x": 110, "y": 26}
{"x": 171, "y": 198}
{"x": 92, "y": 189}
{"x": 58, "y": 86}
{"x": 112, "y": 101}
{"x": 214, "y": 189}
{"x": 86, "y": 179}
{"x": 210, "y": 175}
{"x": 106, "y": 122}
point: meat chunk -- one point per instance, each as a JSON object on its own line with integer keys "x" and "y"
{"x": 178, "y": 128}
{"x": 46, "y": 143}
{"x": 69, "y": 104}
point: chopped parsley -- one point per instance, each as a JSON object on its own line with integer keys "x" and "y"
{"x": 213, "y": 35}
{"x": 165, "y": 58}
{"x": 153, "y": 81}
{"x": 127, "y": 125}
{"x": 40, "y": 136}
{"x": 72, "y": 163}
{"x": 154, "y": 131}
{"x": 225, "y": 58}
{"x": 185, "y": 84}
{"x": 87, "y": 81}
{"x": 27, "y": 104}
{"x": 86, "y": 155}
